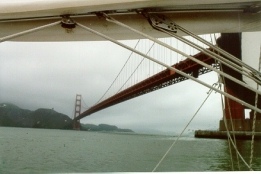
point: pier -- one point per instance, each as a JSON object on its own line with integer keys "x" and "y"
{"x": 242, "y": 135}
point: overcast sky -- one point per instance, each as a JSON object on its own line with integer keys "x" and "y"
{"x": 49, "y": 75}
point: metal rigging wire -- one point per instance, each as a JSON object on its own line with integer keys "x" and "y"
{"x": 179, "y": 72}
{"x": 215, "y": 56}
{"x": 174, "y": 142}
{"x": 6, "y": 38}
{"x": 169, "y": 67}
{"x": 225, "y": 120}
{"x": 254, "y": 120}
{"x": 110, "y": 19}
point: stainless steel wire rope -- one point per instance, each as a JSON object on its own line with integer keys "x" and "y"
{"x": 12, "y": 36}
{"x": 228, "y": 55}
{"x": 212, "y": 46}
{"x": 232, "y": 125}
{"x": 215, "y": 56}
{"x": 232, "y": 142}
{"x": 175, "y": 141}
{"x": 254, "y": 119}
{"x": 223, "y": 109}
{"x": 55, "y": 23}
{"x": 179, "y": 72}
{"x": 110, "y": 19}
{"x": 169, "y": 67}
{"x": 227, "y": 131}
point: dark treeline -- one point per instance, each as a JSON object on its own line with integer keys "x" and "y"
{"x": 13, "y": 116}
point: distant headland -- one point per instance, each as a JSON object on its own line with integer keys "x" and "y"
{"x": 14, "y": 116}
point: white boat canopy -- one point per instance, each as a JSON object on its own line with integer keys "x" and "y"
{"x": 199, "y": 16}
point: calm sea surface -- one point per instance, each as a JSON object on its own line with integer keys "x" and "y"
{"x": 25, "y": 150}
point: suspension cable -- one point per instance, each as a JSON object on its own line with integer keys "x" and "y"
{"x": 136, "y": 68}
{"x": 85, "y": 105}
{"x": 118, "y": 73}
{"x": 110, "y": 19}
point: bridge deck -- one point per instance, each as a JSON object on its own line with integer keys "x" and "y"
{"x": 155, "y": 82}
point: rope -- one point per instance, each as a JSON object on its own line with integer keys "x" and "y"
{"x": 231, "y": 141}
{"x": 164, "y": 156}
{"x": 231, "y": 122}
{"x": 215, "y": 56}
{"x": 254, "y": 120}
{"x": 169, "y": 67}
{"x": 223, "y": 52}
{"x": 223, "y": 108}
{"x": 110, "y": 19}
{"x": 6, "y": 38}
{"x": 228, "y": 140}
{"x": 171, "y": 146}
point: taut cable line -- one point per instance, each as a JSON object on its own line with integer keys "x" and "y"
{"x": 136, "y": 68}
{"x": 223, "y": 52}
{"x": 174, "y": 142}
{"x": 169, "y": 67}
{"x": 110, "y": 19}
{"x": 254, "y": 120}
{"x": 215, "y": 56}
{"x": 6, "y": 38}
{"x": 118, "y": 73}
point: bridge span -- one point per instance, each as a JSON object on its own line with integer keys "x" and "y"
{"x": 233, "y": 111}
{"x": 155, "y": 82}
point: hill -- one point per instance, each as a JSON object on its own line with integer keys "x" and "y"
{"x": 13, "y": 116}
{"x": 103, "y": 127}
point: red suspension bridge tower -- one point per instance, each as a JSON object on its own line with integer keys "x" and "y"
{"x": 77, "y": 111}
{"x": 234, "y": 112}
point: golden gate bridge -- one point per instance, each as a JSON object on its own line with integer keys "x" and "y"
{"x": 139, "y": 76}
{"x": 223, "y": 57}
{"x": 225, "y": 61}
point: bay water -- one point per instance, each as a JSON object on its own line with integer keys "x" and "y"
{"x": 24, "y": 150}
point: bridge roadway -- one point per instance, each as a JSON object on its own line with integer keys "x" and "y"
{"x": 155, "y": 82}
